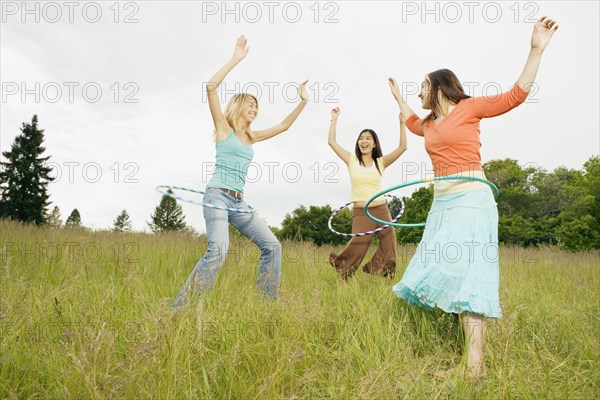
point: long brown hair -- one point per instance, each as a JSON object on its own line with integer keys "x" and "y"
{"x": 375, "y": 153}
{"x": 444, "y": 82}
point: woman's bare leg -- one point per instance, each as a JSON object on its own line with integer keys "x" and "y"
{"x": 474, "y": 329}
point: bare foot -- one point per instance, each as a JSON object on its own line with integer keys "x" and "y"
{"x": 474, "y": 373}
{"x": 477, "y": 372}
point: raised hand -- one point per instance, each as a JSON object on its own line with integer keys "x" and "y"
{"x": 335, "y": 113}
{"x": 394, "y": 88}
{"x": 542, "y": 33}
{"x": 302, "y": 91}
{"x": 240, "y": 50}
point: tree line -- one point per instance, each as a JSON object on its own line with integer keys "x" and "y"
{"x": 536, "y": 206}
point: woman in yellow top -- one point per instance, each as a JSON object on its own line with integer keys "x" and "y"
{"x": 366, "y": 166}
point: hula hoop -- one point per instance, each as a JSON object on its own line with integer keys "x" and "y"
{"x": 203, "y": 204}
{"x": 426, "y": 180}
{"x": 396, "y": 218}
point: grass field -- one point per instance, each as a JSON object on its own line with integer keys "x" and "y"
{"x": 87, "y": 315}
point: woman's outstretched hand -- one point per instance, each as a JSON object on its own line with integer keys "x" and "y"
{"x": 302, "y": 91}
{"x": 394, "y": 88}
{"x": 335, "y": 113}
{"x": 542, "y": 33}
{"x": 240, "y": 50}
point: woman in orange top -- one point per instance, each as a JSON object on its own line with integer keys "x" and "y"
{"x": 456, "y": 265}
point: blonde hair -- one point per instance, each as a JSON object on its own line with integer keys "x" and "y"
{"x": 234, "y": 108}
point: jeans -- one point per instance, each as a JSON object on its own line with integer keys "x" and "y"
{"x": 202, "y": 277}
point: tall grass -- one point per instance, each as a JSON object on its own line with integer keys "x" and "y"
{"x": 87, "y": 315}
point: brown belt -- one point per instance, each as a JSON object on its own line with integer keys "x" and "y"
{"x": 235, "y": 194}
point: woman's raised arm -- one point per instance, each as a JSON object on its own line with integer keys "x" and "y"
{"x": 339, "y": 150}
{"x": 287, "y": 121}
{"x": 221, "y": 125}
{"x": 542, "y": 33}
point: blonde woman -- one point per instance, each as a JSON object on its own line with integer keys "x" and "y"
{"x": 234, "y": 139}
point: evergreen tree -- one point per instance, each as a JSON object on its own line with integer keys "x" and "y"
{"x": 168, "y": 216}
{"x": 24, "y": 177}
{"x": 54, "y": 219}
{"x": 122, "y": 223}
{"x": 74, "y": 219}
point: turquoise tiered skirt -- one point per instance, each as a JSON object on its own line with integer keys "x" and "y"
{"x": 455, "y": 266}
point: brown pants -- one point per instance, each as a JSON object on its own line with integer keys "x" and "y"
{"x": 383, "y": 261}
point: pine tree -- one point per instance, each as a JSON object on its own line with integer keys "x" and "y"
{"x": 54, "y": 219}
{"x": 122, "y": 223}
{"x": 74, "y": 219}
{"x": 168, "y": 216}
{"x": 24, "y": 177}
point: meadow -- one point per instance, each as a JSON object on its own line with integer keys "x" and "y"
{"x": 86, "y": 315}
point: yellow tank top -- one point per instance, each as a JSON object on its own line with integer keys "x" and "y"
{"x": 365, "y": 181}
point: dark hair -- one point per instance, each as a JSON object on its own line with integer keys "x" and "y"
{"x": 445, "y": 81}
{"x": 375, "y": 153}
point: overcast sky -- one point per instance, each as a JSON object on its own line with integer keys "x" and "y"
{"x": 150, "y": 125}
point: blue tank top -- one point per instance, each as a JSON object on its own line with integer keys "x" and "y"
{"x": 232, "y": 162}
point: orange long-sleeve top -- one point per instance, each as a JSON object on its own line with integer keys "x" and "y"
{"x": 453, "y": 144}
